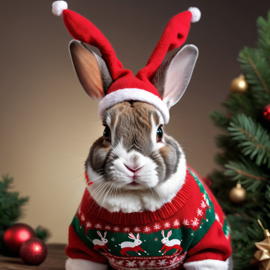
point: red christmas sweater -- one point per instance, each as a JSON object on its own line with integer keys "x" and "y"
{"x": 192, "y": 227}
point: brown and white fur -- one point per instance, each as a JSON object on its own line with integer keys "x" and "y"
{"x": 134, "y": 170}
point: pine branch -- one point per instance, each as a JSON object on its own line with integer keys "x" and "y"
{"x": 252, "y": 138}
{"x": 247, "y": 173}
{"x": 42, "y": 233}
{"x": 10, "y": 206}
{"x": 257, "y": 73}
{"x": 243, "y": 241}
{"x": 5, "y": 183}
{"x": 264, "y": 35}
{"x": 220, "y": 119}
{"x": 240, "y": 103}
{"x": 224, "y": 141}
{"x": 246, "y": 151}
{"x": 221, "y": 159}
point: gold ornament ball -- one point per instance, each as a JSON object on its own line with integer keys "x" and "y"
{"x": 237, "y": 194}
{"x": 239, "y": 85}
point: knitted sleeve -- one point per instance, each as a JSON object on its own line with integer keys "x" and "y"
{"x": 214, "y": 245}
{"x": 77, "y": 248}
{"x": 80, "y": 245}
{"x": 210, "y": 247}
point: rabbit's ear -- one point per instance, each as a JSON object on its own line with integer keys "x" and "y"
{"x": 173, "y": 76}
{"x": 99, "y": 234}
{"x": 162, "y": 233}
{"x": 138, "y": 236}
{"x": 131, "y": 236}
{"x": 91, "y": 70}
{"x": 169, "y": 234}
{"x": 105, "y": 234}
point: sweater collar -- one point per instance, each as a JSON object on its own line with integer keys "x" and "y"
{"x": 145, "y": 217}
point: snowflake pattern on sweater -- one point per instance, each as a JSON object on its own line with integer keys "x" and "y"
{"x": 168, "y": 237}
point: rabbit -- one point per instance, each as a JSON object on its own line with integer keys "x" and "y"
{"x": 170, "y": 244}
{"x": 138, "y": 179}
{"x": 135, "y": 166}
{"x": 101, "y": 242}
{"x": 131, "y": 246}
{"x": 136, "y": 242}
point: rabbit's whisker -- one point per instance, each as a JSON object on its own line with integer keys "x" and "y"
{"x": 74, "y": 178}
{"x": 98, "y": 188}
{"x": 83, "y": 187}
{"x": 81, "y": 162}
{"x": 104, "y": 192}
{"x": 96, "y": 191}
{"x": 97, "y": 178}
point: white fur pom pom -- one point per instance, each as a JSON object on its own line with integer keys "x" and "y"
{"x": 196, "y": 14}
{"x": 58, "y": 7}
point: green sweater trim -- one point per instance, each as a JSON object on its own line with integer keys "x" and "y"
{"x": 210, "y": 215}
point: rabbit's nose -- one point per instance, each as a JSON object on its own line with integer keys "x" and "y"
{"x": 135, "y": 158}
{"x": 133, "y": 169}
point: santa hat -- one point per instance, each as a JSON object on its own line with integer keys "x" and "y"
{"x": 125, "y": 85}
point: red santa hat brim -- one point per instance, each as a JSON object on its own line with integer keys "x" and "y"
{"x": 136, "y": 95}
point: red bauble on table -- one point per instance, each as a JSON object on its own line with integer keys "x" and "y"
{"x": 15, "y": 235}
{"x": 33, "y": 251}
{"x": 266, "y": 112}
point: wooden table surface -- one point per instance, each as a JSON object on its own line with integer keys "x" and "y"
{"x": 55, "y": 260}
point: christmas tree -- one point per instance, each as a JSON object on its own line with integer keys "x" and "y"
{"x": 11, "y": 210}
{"x": 242, "y": 185}
{"x": 10, "y": 206}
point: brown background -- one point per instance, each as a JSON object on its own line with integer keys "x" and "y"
{"x": 47, "y": 121}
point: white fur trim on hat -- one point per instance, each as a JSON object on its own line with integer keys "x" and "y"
{"x": 196, "y": 14}
{"x": 58, "y": 7}
{"x": 133, "y": 94}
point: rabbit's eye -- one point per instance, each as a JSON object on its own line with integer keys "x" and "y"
{"x": 107, "y": 134}
{"x": 159, "y": 134}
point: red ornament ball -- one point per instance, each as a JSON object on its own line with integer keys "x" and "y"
{"x": 15, "y": 235}
{"x": 266, "y": 112}
{"x": 33, "y": 251}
